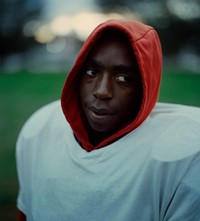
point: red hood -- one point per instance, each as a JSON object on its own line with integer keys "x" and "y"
{"x": 146, "y": 46}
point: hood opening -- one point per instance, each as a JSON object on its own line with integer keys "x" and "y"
{"x": 147, "y": 49}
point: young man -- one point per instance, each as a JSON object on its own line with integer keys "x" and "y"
{"x": 113, "y": 154}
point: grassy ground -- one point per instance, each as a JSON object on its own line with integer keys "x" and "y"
{"x": 21, "y": 94}
{"x": 180, "y": 88}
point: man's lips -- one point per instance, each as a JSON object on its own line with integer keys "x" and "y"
{"x": 100, "y": 112}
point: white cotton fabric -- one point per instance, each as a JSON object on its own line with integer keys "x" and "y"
{"x": 150, "y": 174}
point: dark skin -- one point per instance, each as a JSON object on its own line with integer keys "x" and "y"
{"x": 110, "y": 87}
{"x": 21, "y": 216}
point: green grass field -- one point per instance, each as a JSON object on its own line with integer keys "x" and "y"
{"x": 22, "y": 93}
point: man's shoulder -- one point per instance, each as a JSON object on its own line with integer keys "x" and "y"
{"x": 170, "y": 109}
{"x": 176, "y": 130}
{"x": 43, "y": 118}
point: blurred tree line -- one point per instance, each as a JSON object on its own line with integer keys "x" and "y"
{"x": 176, "y": 21}
{"x": 14, "y": 14}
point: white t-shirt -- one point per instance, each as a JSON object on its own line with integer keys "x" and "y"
{"x": 150, "y": 174}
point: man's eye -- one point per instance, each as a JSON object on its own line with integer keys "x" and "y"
{"x": 91, "y": 72}
{"x": 123, "y": 78}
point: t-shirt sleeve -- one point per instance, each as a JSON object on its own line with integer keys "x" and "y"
{"x": 26, "y": 150}
{"x": 185, "y": 204}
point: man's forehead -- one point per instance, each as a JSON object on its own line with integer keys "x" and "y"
{"x": 115, "y": 48}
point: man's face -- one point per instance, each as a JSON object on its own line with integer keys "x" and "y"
{"x": 110, "y": 87}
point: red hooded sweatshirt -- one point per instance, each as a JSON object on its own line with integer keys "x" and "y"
{"x": 147, "y": 49}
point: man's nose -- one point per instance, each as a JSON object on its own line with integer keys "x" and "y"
{"x": 103, "y": 87}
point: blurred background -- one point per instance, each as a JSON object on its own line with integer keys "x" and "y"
{"x": 39, "y": 40}
{"x": 45, "y": 35}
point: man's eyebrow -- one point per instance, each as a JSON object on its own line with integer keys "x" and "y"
{"x": 120, "y": 67}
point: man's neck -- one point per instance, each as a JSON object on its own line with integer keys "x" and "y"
{"x": 97, "y": 137}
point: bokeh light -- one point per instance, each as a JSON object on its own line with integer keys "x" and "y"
{"x": 61, "y": 25}
{"x": 44, "y": 34}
